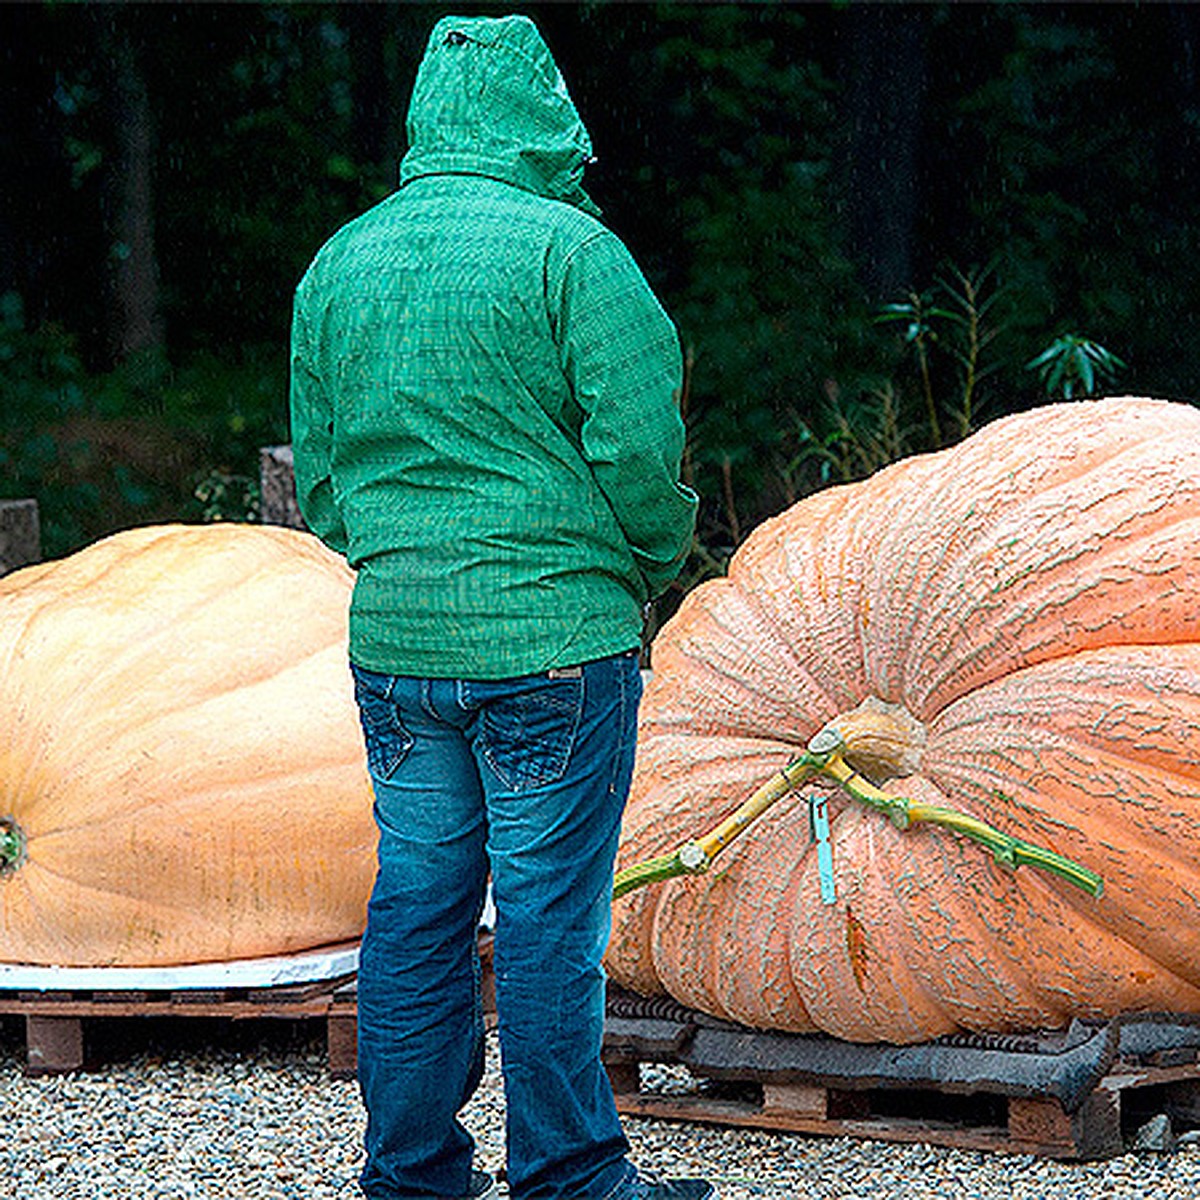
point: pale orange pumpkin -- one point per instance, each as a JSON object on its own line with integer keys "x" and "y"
{"x": 1010, "y": 627}
{"x": 181, "y": 772}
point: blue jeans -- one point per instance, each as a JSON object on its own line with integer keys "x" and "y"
{"x": 527, "y": 778}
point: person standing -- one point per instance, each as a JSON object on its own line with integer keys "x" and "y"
{"x": 485, "y": 422}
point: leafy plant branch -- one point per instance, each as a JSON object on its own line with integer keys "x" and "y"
{"x": 1073, "y": 365}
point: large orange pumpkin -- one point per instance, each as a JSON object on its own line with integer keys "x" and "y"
{"x": 181, "y": 774}
{"x": 1010, "y": 627}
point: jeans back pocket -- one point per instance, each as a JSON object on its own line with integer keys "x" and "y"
{"x": 527, "y": 735}
{"x": 387, "y": 740}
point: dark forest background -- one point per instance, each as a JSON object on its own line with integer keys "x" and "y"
{"x": 877, "y": 226}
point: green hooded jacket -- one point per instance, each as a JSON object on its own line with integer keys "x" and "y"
{"x": 484, "y": 389}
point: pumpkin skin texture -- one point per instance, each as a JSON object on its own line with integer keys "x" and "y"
{"x": 1009, "y": 627}
{"x": 180, "y": 751}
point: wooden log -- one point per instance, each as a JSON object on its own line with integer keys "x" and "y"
{"x": 20, "y": 534}
{"x": 277, "y": 488}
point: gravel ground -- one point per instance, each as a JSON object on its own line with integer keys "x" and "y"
{"x": 192, "y": 1109}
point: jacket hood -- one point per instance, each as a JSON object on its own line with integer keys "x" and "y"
{"x": 489, "y": 100}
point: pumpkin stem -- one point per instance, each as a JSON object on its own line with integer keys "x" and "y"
{"x": 655, "y": 870}
{"x": 12, "y": 845}
{"x": 792, "y": 776}
{"x": 694, "y": 858}
{"x": 883, "y": 739}
{"x": 824, "y": 756}
{"x": 1008, "y": 851}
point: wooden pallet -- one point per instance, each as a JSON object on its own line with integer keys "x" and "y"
{"x": 1073, "y": 1094}
{"x": 1053, "y": 1097}
{"x": 57, "y": 1022}
{"x": 1013, "y": 1125}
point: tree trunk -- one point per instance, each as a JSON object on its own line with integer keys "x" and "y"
{"x": 380, "y": 37}
{"x": 135, "y": 315}
{"x": 885, "y": 70}
{"x": 11, "y": 96}
{"x": 35, "y": 192}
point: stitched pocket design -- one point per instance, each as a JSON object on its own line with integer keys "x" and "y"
{"x": 387, "y": 740}
{"x": 527, "y": 738}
